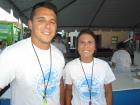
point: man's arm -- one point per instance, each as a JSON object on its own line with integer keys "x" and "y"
{"x": 68, "y": 94}
{"x": 62, "y": 92}
{"x": 108, "y": 94}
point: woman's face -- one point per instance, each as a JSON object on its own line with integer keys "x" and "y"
{"x": 86, "y": 46}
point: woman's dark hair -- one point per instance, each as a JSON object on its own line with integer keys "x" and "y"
{"x": 48, "y": 5}
{"x": 85, "y": 31}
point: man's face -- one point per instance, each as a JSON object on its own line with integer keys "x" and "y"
{"x": 43, "y": 26}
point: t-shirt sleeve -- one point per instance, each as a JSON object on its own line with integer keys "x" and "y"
{"x": 109, "y": 75}
{"x": 67, "y": 75}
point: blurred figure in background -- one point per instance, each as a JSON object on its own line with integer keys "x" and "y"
{"x": 121, "y": 60}
{"x": 130, "y": 50}
{"x": 1, "y": 46}
{"x": 58, "y": 42}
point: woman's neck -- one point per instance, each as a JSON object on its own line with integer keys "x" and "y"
{"x": 86, "y": 60}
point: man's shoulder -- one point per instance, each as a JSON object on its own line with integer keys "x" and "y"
{"x": 17, "y": 47}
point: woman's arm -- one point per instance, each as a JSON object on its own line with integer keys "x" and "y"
{"x": 68, "y": 94}
{"x": 108, "y": 94}
{"x": 62, "y": 92}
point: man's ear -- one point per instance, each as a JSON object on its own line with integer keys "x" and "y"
{"x": 30, "y": 24}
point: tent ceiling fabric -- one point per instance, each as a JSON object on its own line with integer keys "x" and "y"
{"x": 121, "y": 14}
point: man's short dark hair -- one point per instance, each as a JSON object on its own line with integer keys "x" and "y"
{"x": 48, "y": 5}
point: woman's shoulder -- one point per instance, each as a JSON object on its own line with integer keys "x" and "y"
{"x": 73, "y": 62}
{"x": 100, "y": 61}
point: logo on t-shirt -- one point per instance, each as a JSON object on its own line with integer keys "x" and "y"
{"x": 51, "y": 86}
{"x": 84, "y": 89}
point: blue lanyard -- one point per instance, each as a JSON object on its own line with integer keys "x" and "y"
{"x": 45, "y": 86}
{"x": 89, "y": 85}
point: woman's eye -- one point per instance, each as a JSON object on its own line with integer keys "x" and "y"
{"x": 90, "y": 42}
{"x": 81, "y": 42}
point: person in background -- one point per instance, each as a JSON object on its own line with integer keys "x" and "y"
{"x": 130, "y": 50}
{"x": 121, "y": 60}
{"x": 88, "y": 79}
{"x": 1, "y": 46}
{"x": 58, "y": 42}
{"x": 33, "y": 66}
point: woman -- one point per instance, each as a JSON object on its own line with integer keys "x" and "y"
{"x": 88, "y": 79}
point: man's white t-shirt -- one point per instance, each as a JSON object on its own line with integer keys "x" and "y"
{"x": 20, "y": 67}
{"x": 102, "y": 74}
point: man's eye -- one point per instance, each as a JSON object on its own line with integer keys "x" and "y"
{"x": 53, "y": 22}
{"x": 40, "y": 20}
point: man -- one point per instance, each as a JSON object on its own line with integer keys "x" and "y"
{"x": 33, "y": 66}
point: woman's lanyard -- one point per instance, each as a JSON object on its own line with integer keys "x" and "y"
{"x": 89, "y": 85}
{"x": 45, "y": 86}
